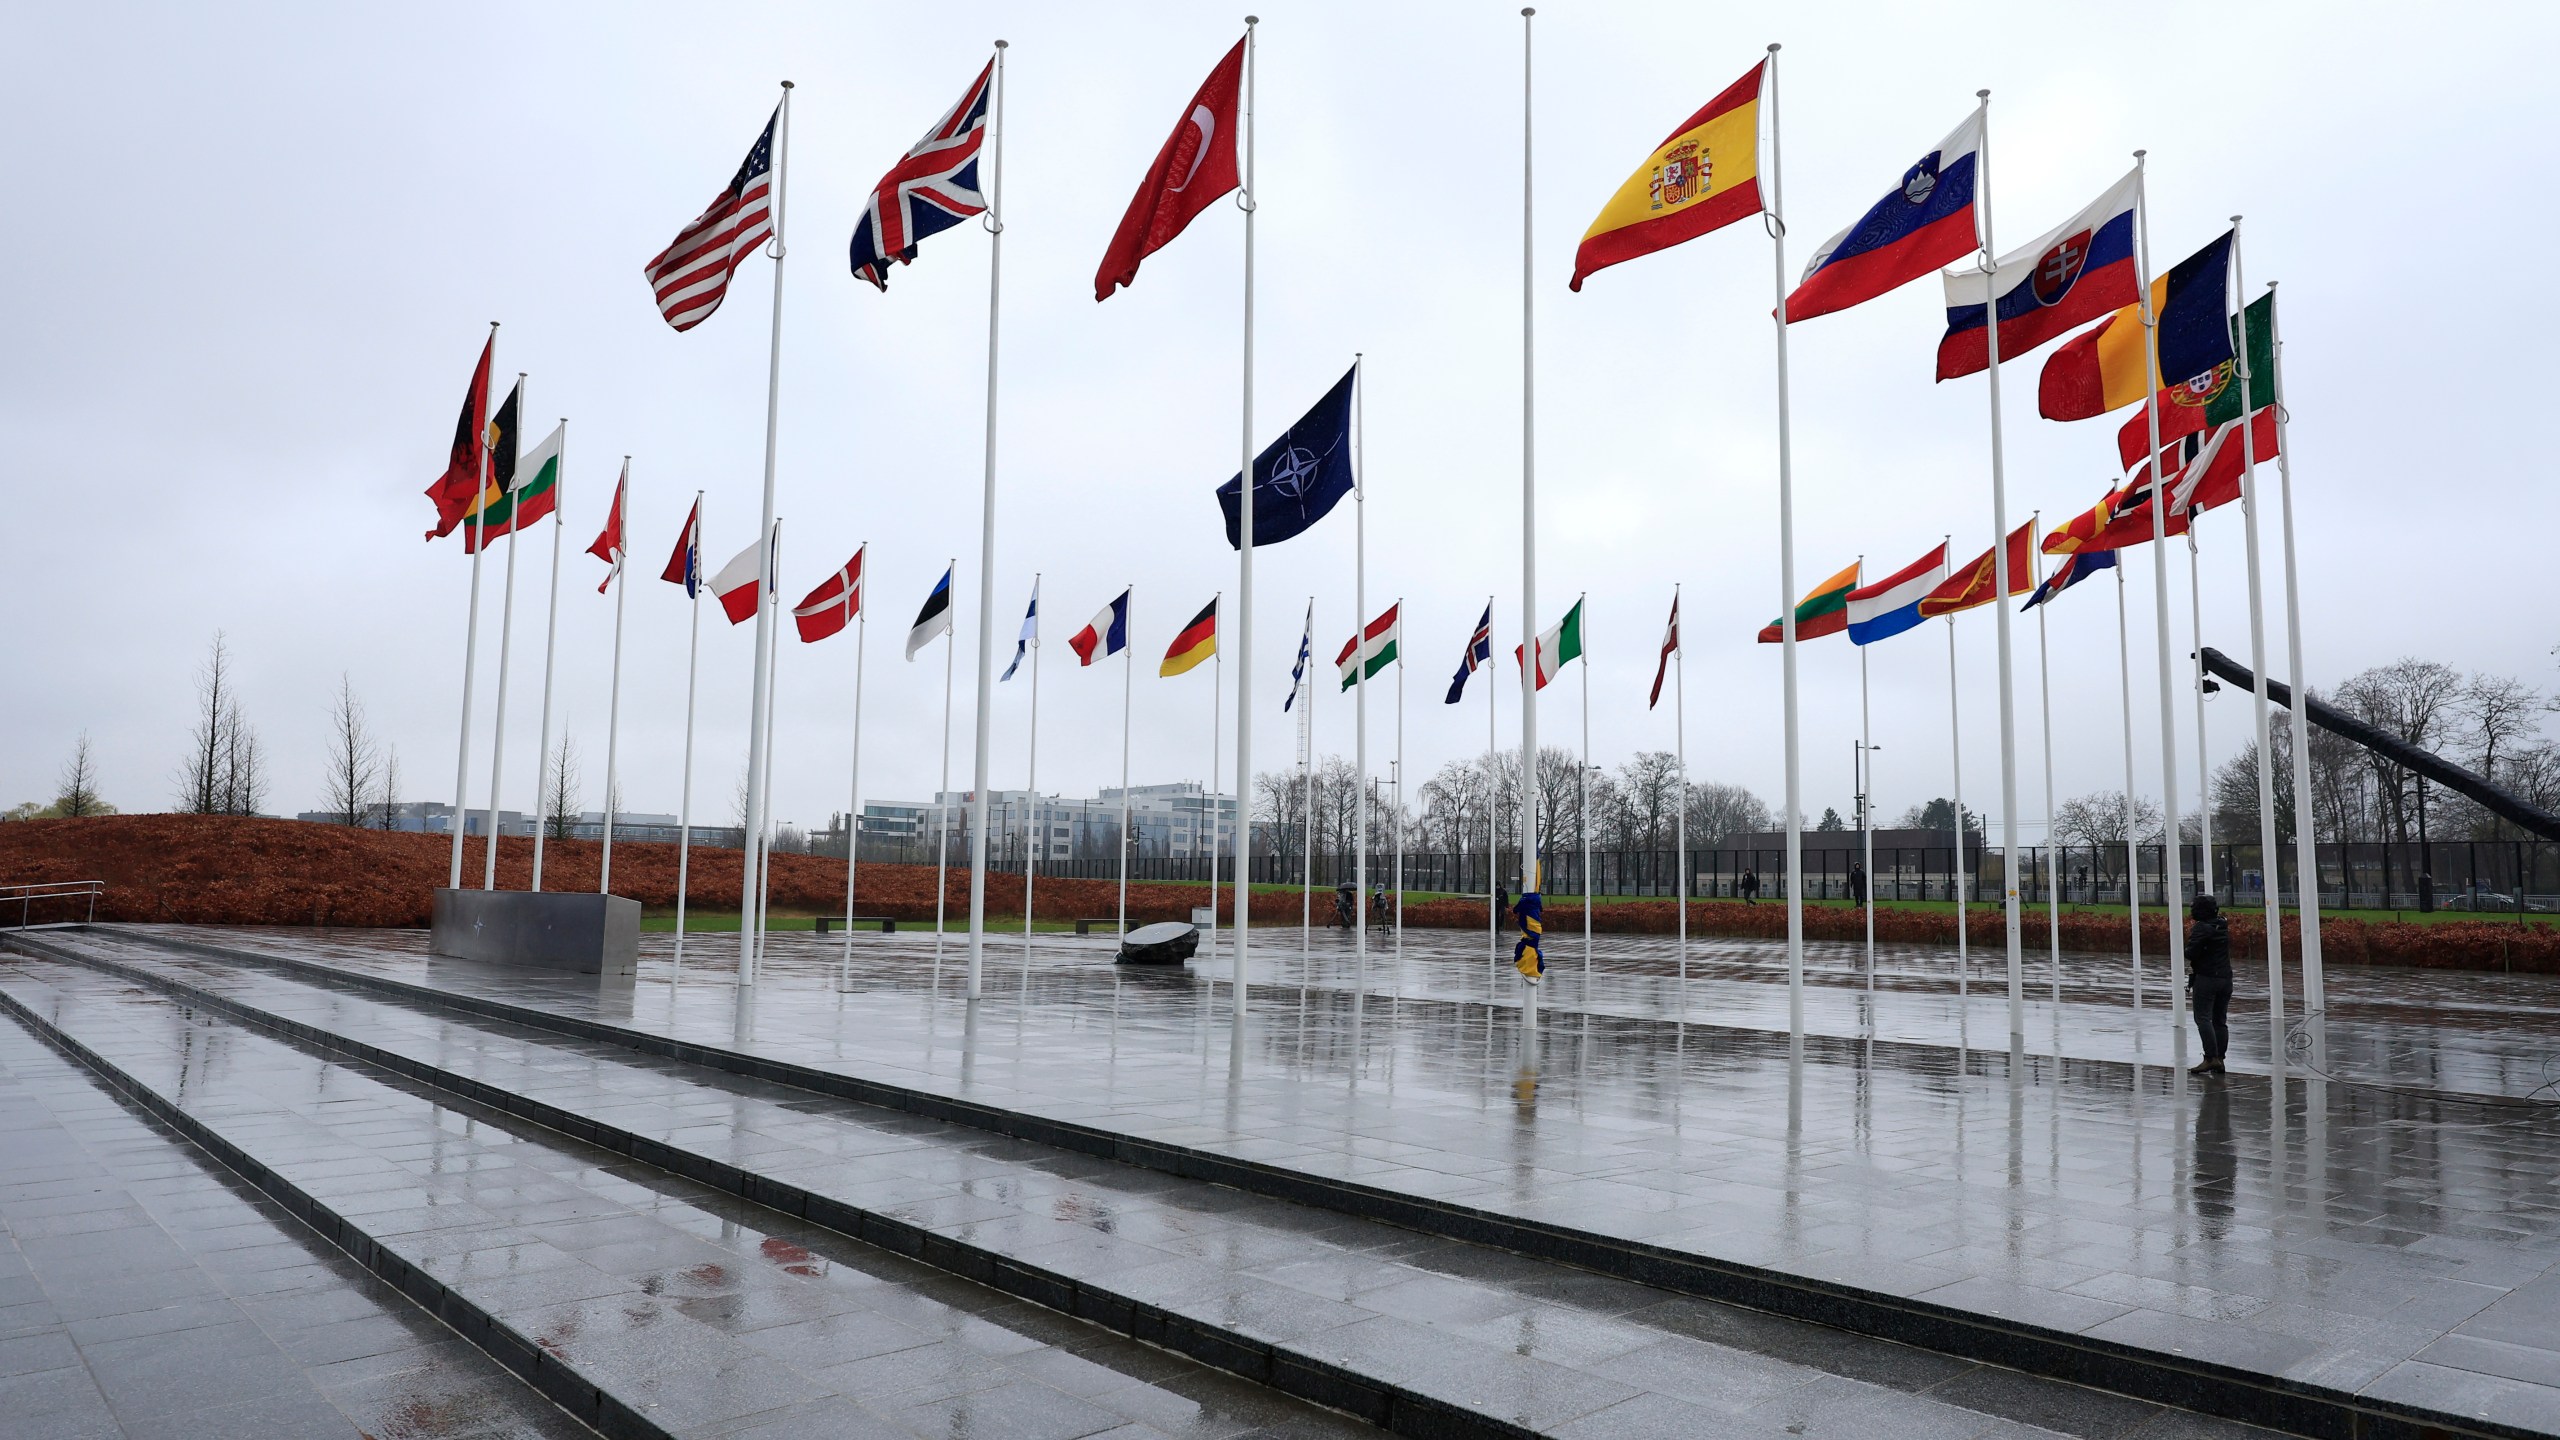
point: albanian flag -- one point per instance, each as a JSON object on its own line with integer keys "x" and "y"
{"x": 454, "y": 491}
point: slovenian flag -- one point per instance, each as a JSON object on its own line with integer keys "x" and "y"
{"x": 2072, "y": 274}
{"x": 1892, "y": 604}
{"x": 1924, "y": 222}
{"x": 935, "y": 618}
{"x": 1107, "y": 633}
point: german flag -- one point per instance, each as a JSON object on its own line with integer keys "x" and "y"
{"x": 1197, "y": 642}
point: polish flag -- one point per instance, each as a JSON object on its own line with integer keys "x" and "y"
{"x": 736, "y": 586}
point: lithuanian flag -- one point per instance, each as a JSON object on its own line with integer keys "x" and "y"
{"x": 1197, "y": 642}
{"x": 1823, "y": 611}
{"x": 1705, "y": 177}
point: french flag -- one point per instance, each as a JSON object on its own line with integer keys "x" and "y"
{"x": 2072, "y": 274}
{"x": 1107, "y": 633}
{"x": 1924, "y": 222}
{"x": 1892, "y": 604}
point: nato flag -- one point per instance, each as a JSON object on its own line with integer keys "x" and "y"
{"x": 1301, "y": 475}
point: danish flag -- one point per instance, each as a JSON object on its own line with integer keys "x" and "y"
{"x": 934, "y": 188}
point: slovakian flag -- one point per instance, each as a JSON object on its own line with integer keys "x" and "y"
{"x": 1704, "y": 177}
{"x": 1892, "y": 604}
{"x": 1374, "y": 648}
{"x": 1978, "y": 582}
{"x": 1824, "y": 610}
{"x": 1479, "y": 653}
{"x": 1923, "y": 223}
{"x": 1030, "y": 636}
{"x": 684, "y": 567}
{"x": 935, "y": 618}
{"x": 832, "y": 606}
{"x": 1197, "y": 642}
{"x": 2072, "y": 274}
{"x": 609, "y": 547}
{"x": 1300, "y": 477}
{"x": 464, "y": 465}
{"x": 1670, "y": 647}
{"x": 932, "y": 188}
{"x": 1107, "y": 633}
{"x": 2210, "y": 398}
{"x": 2074, "y": 569}
{"x": 735, "y": 585}
{"x": 1306, "y": 653}
{"x": 1195, "y": 168}
{"x": 1557, "y": 647}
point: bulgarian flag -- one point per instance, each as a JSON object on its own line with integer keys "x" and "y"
{"x": 536, "y": 494}
{"x": 1557, "y": 647}
{"x": 1373, "y": 650}
{"x": 1823, "y": 611}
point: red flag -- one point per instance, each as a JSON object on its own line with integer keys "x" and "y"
{"x": 1978, "y": 582}
{"x": 832, "y": 606}
{"x": 608, "y": 546}
{"x": 461, "y": 482}
{"x": 1195, "y": 168}
{"x": 685, "y": 566}
{"x": 1670, "y": 646}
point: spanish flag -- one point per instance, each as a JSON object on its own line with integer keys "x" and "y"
{"x": 1197, "y": 642}
{"x": 1705, "y": 177}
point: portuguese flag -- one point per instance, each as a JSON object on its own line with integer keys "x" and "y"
{"x": 2211, "y": 399}
{"x": 1823, "y": 611}
{"x": 536, "y": 495}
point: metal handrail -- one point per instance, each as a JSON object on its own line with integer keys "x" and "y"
{"x": 27, "y": 895}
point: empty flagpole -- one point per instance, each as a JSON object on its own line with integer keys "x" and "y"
{"x": 692, "y": 671}
{"x": 2305, "y": 838}
{"x": 853, "y": 797}
{"x": 1035, "y": 831}
{"x": 1582, "y": 815}
{"x": 1128, "y": 668}
{"x": 1359, "y": 705}
{"x": 1866, "y": 822}
{"x": 613, "y": 709}
{"x": 2132, "y": 830}
{"x": 506, "y": 626}
{"x": 2195, "y": 627}
{"x": 1217, "y": 735}
{"x": 1680, "y": 752}
{"x": 1492, "y": 819}
{"x": 1529, "y": 877}
{"x": 987, "y": 546}
{"x": 2013, "y": 931}
{"x": 1244, "y": 551}
{"x": 2171, "y": 880}
{"x": 2270, "y": 861}
{"x": 1777, "y": 224}
{"x": 471, "y": 636}
{"x": 1307, "y": 688}
{"x": 1398, "y": 821}
{"x": 2052, "y": 850}
{"x": 550, "y": 645}
{"x": 942, "y": 798}
{"x": 764, "y": 782}
{"x": 1957, "y": 879}
{"x": 748, "y": 890}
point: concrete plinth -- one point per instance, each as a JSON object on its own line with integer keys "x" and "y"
{"x": 591, "y": 934}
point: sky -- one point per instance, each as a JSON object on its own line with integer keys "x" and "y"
{"x": 277, "y": 235}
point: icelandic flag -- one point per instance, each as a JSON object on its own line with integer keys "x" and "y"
{"x": 1299, "y": 477}
{"x": 1306, "y": 652}
{"x": 1924, "y": 222}
{"x": 736, "y": 582}
{"x": 1030, "y": 632}
{"x": 933, "y": 187}
{"x": 2073, "y": 570}
{"x": 1892, "y": 604}
{"x": 935, "y": 618}
{"x": 1107, "y": 633}
{"x": 1479, "y": 652}
{"x": 685, "y": 566}
{"x": 2072, "y": 274}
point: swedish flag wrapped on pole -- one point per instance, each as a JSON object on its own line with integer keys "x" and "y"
{"x": 1529, "y": 955}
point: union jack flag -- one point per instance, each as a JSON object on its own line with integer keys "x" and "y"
{"x": 934, "y": 188}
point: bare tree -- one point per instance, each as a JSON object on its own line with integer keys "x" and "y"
{"x": 353, "y": 763}
{"x": 1647, "y": 792}
{"x": 78, "y": 796}
{"x": 2099, "y": 819}
{"x": 1718, "y": 811}
{"x": 244, "y": 771}
{"x": 387, "y": 815}
{"x": 2235, "y": 787}
{"x": 560, "y": 787}
{"x": 200, "y": 784}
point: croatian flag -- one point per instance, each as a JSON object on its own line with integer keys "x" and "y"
{"x": 1106, "y": 634}
{"x": 1892, "y": 604}
{"x": 736, "y": 582}
{"x": 1924, "y": 222}
{"x": 2072, "y": 274}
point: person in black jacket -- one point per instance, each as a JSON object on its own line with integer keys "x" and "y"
{"x": 2209, "y": 981}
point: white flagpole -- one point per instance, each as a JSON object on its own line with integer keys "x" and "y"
{"x": 470, "y": 635}
{"x": 692, "y": 671}
{"x": 1128, "y": 669}
{"x": 1307, "y": 688}
{"x": 506, "y": 627}
{"x": 941, "y": 796}
{"x": 1492, "y": 819}
{"x": 853, "y": 796}
{"x": 2305, "y": 835}
{"x": 1529, "y": 867}
{"x": 550, "y": 645}
{"x": 1217, "y": 731}
{"x": 2132, "y": 831}
{"x": 2270, "y": 862}
{"x": 2014, "y": 931}
{"x": 754, "y": 827}
{"x": 1035, "y": 829}
{"x": 613, "y": 705}
{"x": 987, "y": 546}
{"x": 1244, "y": 551}
{"x": 1777, "y": 224}
{"x": 1398, "y": 821}
{"x": 1582, "y": 817}
{"x": 2171, "y": 881}
{"x": 1866, "y": 819}
{"x": 1680, "y": 821}
{"x": 2052, "y": 847}
{"x": 2204, "y": 777}
{"x": 764, "y": 779}
{"x": 1359, "y": 711}
{"x": 1959, "y": 879}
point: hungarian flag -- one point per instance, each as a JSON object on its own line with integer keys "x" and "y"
{"x": 1704, "y": 177}
{"x": 1373, "y": 649}
{"x": 461, "y": 482}
{"x": 1197, "y": 642}
{"x": 736, "y": 584}
{"x": 1823, "y": 611}
{"x": 608, "y": 547}
{"x": 2212, "y": 397}
{"x": 684, "y": 567}
{"x": 1558, "y": 647}
{"x": 1196, "y": 167}
{"x": 2072, "y": 274}
{"x": 536, "y": 497}
{"x": 1978, "y": 583}
{"x": 1922, "y": 223}
{"x": 1670, "y": 647}
{"x": 832, "y": 606}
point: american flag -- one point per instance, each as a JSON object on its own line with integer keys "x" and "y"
{"x": 1479, "y": 652}
{"x": 932, "y": 189}
{"x": 691, "y": 276}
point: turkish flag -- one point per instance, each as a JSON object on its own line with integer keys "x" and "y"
{"x": 1196, "y": 167}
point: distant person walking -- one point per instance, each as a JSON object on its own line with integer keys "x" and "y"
{"x": 1750, "y": 887}
{"x": 2209, "y": 981}
{"x": 1857, "y": 882}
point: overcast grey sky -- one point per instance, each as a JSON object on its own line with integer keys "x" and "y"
{"x": 264, "y": 243}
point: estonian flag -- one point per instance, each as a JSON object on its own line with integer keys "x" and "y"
{"x": 1301, "y": 476}
{"x": 935, "y": 618}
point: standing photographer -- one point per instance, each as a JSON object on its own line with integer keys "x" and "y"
{"x": 2209, "y": 981}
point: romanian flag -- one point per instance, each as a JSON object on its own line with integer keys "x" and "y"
{"x": 1705, "y": 177}
{"x": 1823, "y": 611}
{"x": 1978, "y": 583}
{"x": 1197, "y": 642}
{"x": 2100, "y": 369}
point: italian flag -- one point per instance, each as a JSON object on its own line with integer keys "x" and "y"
{"x": 1373, "y": 650}
{"x": 1823, "y": 611}
{"x": 537, "y": 492}
{"x": 1559, "y": 646}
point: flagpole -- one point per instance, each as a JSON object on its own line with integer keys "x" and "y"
{"x": 1957, "y": 880}
{"x": 692, "y": 672}
{"x": 1398, "y": 821}
{"x": 2014, "y": 932}
{"x": 2305, "y": 836}
{"x": 942, "y": 801}
{"x": 1777, "y": 224}
{"x": 471, "y": 633}
{"x": 987, "y": 546}
{"x": 1127, "y": 691}
{"x": 550, "y": 644}
{"x": 754, "y": 818}
{"x": 1530, "y": 879}
{"x": 2132, "y": 830}
{"x": 764, "y": 779}
{"x": 2052, "y": 851}
{"x": 2195, "y": 624}
{"x": 1680, "y": 752}
{"x": 1217, "y": 730}
{"x": 1031, "y": 844}
{"x": 2171, "y": 880}
{"x": 853, "y": 797}
{"x": 1244, "y": 551}
{"x": 2270, "y": 864}
{"x": 506, "y": 628}
{"x": 1359, "y": 707}
{"x": 1866, "y": 820}
{"x": 1492, "y": 819}
{"x": 613, "y": 710}
{"x": 1582, "y": 816}
{"x": 1307, "y": 796}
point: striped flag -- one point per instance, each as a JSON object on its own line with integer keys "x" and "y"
{"x": 1306, "y": 652}
{"x": 691, "y": 276}
{"x": 1373, "y": 649}
{"x": 1670, "y": 647}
